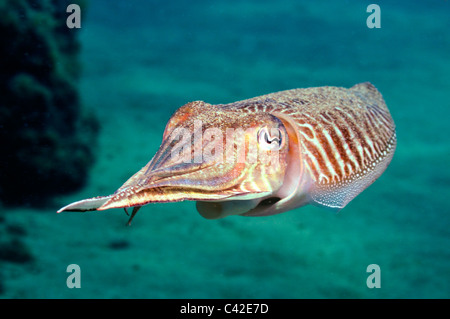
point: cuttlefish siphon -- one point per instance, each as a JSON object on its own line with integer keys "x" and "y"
{"x": 265, "y": 155}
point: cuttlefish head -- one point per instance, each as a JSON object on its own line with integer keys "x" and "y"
{"x": 230, "y": 161}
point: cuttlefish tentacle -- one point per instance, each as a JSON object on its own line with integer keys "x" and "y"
{"x": 265, "y": 155}
{"x": 133, "y": 213}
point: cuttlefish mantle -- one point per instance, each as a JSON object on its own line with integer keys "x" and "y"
{"x": 265, "y": 155}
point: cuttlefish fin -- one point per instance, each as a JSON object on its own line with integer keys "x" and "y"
{"x": 337, "y": 195}
{"x": 86, "y": 204}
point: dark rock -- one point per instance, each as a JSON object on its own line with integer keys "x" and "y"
{"x": 119, "y": 244}
{"x": 47, "y": 140}
{"x": 16, "y": 230}
{"x": 15, "y": 251}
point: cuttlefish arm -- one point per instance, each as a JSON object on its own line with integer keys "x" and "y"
{"x": 94, "y": 204}
{"x": 265, "y": 155}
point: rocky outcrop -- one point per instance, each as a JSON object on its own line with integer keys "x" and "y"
{"x": 46, "y": 138}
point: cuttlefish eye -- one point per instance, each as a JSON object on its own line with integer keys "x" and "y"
{"x": 270, "y": 140}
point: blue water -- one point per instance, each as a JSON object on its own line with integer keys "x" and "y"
{"x": 141, "y": 60}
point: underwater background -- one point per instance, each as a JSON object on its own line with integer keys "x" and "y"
{"x": 132, "y": 64}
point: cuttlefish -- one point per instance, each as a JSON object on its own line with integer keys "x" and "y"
{"x": 265, "y": 155}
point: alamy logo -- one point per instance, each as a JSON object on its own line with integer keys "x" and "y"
{"x": 74, "y": 19}
{"x": 74, "y": 279}
{"x": 230, "y": 145}
{"x": 374, "y": 19}
{"x": 374, "y": 279}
